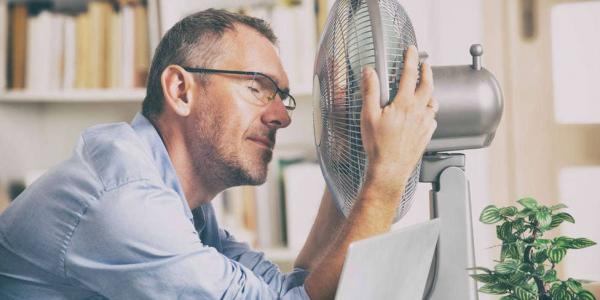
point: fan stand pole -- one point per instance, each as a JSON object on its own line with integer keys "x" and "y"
{"x": 450, "y": 202}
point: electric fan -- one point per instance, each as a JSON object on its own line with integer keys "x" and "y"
{"x": 376, "y": 33}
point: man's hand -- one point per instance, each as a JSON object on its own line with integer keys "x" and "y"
{"x": 395, "y": 136}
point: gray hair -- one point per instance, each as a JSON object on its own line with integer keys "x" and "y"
{"x": 193, "y": 40}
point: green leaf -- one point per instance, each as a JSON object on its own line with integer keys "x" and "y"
{"x": 533, "y": 287}
{"x": 509, "y": 297}
{"x": 513, "y": 251}
{"x": 563, "y": 242}
{"x": 523, "y": 294}
{"x": 550, "y": 276}
{"x": 526, "y": 212}
{"x": 508, "y": 211}
{"x": 490, "y": 215}
{"x": 492, "y": 289}
{"x": 539, "y": 256}
{"x": 504, "y": 232}
{"x": 519, "y": 226}
{"x": 561, "y": 293}
{"x": 541, "y": 243}
{"x": 555, "y": 255}
{"x": 585, "y": 295}
{"x": 540, "y": 270}
{"x": 479, "y": 269}
{"x": 518, "y": 278}
{"x": 527, "y": 268}
{"x": 485, "y": 278}
{"x": 574, "y": 285}
{"x": 559, "y": 218}
{"x": 509, "y": 251}
{"x": 506, "y": 267}
{"x": 558, "y": 206}
{"x": 581, "y": 243}
{"x": 528, "y": 203}
{"x": 558, "y": 292}
{"x": 544, "y": 219}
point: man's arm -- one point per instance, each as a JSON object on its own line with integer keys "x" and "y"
{"x": 135, "y": 242}
{"x": 394, "y": 138}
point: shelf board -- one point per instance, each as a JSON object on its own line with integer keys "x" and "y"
{"x": 88, "y": 96}
{"x": 233, "y": 4}
{"x": 75, "y": 96}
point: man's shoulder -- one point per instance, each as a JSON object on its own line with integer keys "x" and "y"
{"x": 117, "y": 154}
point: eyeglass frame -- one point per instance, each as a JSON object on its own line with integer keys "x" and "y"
{"x": 278, "y": 90}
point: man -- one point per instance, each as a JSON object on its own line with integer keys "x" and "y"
{"x": 128, "y": 216}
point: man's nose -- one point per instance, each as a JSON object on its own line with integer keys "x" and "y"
{"x": 276, "y": 115}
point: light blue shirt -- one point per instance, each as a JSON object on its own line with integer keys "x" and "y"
{"x": 112, "y": 222}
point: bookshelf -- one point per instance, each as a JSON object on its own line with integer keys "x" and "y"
{"x": 39, "y": 126}
{"x": 75, "y": 96}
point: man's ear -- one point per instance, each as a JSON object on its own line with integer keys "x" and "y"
{"x": 176, "y": 84}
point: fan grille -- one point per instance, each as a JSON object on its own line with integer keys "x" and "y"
{"x": 346, "y": 47}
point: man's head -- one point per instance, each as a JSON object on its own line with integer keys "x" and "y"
{"x": 227, "y": 132}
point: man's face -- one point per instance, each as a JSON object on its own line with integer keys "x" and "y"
{"x": 231, "y": 135}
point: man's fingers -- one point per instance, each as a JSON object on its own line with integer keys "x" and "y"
{"x": 433, "y": 105}
{"x": 370, "y": 92}
{"x": 408, "y": 80}
{"x": 425, "y": 89}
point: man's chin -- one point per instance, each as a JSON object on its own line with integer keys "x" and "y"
{"x": 258, "y": 177}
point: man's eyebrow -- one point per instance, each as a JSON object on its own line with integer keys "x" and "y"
{"x": 284, "y": 89}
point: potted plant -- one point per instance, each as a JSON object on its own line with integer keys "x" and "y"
{"x": 526, "y": 269}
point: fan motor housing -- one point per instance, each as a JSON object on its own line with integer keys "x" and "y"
{"x": 470, "y": 108}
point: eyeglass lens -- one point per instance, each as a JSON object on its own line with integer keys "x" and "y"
{"x": 266, "y": 91}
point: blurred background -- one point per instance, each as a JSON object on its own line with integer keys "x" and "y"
{"x": 69, "y": 64}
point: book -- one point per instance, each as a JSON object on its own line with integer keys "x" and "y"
{"x": 127, "y": 46}
{"x": 18, "y": 45}
{"x": 38, "y": 64}
{"x": 3, "y": 43}
{"x": 70, "y": 53}
{"x": 82, "y": 61}
{"x": 235, "y": 213}
{"x": 295, "y": 27}
{"x": 115, "y": 53}
{"x": 154, "y": 30}
{"x": 141, "y": 46}
{"x": 99, "y": 12}
{"x": 249, "y": 198}
{"x": 268, "y": 225}
{"x": 56, "y": 51}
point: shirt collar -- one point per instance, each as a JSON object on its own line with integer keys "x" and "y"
{"x": 149, "y": 135}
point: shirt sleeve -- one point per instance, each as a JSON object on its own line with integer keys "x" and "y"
{"x": 257, "y": 262}
{"x": 136, "y": 242}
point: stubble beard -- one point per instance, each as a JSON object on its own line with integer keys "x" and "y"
{"x": 217, "y": 159}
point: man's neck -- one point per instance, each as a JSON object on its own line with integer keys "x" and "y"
{"x": 196, "y": 189}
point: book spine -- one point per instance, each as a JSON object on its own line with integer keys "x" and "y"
{"x": 70, "y": 53}
{"x": 115, "y": 51}
{"x": 3, "y": 44}
{"x": 18, "y": 45}
{"x": 127, "y": 44}
{"x": 141, "y": 45}
{"x": 82, "y": 45}
{"x": 99, "y": 20}
{"x": 57, "y": 51}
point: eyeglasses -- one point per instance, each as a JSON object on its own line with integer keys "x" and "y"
{"x": 263, "y": 87}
